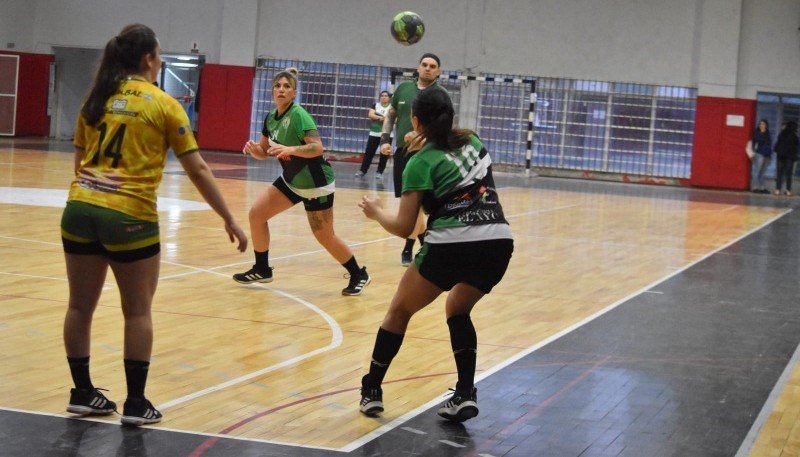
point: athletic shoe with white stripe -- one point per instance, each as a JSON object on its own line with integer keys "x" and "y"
{"x": 90, "y": 402}
{"x": 254, "y": 275}
{"x": 461, "y": 406}
{"x": 357, "y": 282}
{"x": 139, "y": 411}
{"x": 371, "y": 400}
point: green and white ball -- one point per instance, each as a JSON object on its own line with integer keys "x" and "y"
{"x": 407, "y": 28}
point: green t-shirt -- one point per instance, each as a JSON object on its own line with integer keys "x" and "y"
{"x": 459, "y": 193}
{"x": 401, "y": 102}
{"x": 309, "y": 178}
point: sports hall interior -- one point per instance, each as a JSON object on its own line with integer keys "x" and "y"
{"x": 650, "y": 308}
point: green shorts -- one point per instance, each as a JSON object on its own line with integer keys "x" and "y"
{"x": 93, "y": 230}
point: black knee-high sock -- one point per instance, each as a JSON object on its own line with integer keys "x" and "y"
{"x": 136, "y": 375}
{"x": 352, "y": 266}
{"x": 79, "y": 369}
{"x": 409, "y": 245}
{"x": 262, "y": 260}
{"x": 464, "y": 342}
{"x": 421, "y": 238}
{"x": 387, "y": 344}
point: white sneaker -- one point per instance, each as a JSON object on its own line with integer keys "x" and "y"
{"x": 359, "y": 174}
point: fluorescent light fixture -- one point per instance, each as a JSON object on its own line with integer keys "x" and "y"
{"x": 183, "y": 65}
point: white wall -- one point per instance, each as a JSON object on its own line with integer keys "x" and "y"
{"x": 91, "y": 23}
{"x": 723, "y": 47}
{"x": 769, "y": 58}
{"x": 16, "y": 24}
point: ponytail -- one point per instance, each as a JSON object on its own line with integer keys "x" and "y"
{"x": 122, "y": 56}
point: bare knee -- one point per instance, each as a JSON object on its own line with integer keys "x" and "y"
{"x": 324, "y": 237}
{"x": 256, "y": 215}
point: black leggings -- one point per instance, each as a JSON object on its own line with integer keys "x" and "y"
{"x": 373, "y": 143}
{"x": 784, "y": 168}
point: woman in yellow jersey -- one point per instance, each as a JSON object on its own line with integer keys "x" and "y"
{"x": 124, "y": 130}
{"x": 290, "y": 134}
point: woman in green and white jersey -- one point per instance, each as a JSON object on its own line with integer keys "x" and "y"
{"x": 290, "y": 134}
{"x": 467, "y": 247}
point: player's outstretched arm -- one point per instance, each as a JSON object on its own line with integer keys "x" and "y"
{"x": 203, "y": 179}
{"x": 401, "y": 224}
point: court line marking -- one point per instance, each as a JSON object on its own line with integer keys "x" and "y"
{"x": 355, "y": 444}
{"x": 213, "y": 270}
{"x": 336, "y": 341}
{"x": 159, "y": 427}
{"x": 413, "y": 413}
{"x": 769, "y": 406}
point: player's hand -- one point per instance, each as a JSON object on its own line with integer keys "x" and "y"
{"x": 235, "y": 233}
{"x": 281, "y": 151}
{"x": 371, "y": 207}
{"x": 386, "y": 149}
{"x": 249, "y": 147}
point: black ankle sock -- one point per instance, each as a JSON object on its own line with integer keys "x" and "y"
{"x": 79, "y": 369}
{"x": 409, "y": 245}
{"x": 352, "y": 266}
{"x": 136, "y": 376}
{"x": 387, "y": 344}
{"x": 464, "y": 342}
{"x": 262, "y": 260}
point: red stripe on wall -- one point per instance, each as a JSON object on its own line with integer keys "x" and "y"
{"x": 718, "y": 157}
{"x": 225, "y": 99}
{"x": 34, "y": 81}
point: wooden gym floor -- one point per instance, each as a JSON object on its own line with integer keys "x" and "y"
{"x": 633, "y": 321}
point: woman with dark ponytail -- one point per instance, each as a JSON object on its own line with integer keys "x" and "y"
{"x": 124, "y": 130}
{"x": 467, "y": 247}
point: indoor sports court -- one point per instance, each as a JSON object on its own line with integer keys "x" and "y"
{"x": 634, "y": 320}
{"x": 650, "y": 308}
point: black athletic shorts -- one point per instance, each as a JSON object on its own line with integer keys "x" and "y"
{"x": 311, "y": 204}
{"x": 480, "y": 264}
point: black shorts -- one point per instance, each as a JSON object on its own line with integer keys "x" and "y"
{"x": 311, "y": 204}
{"x": 480, "y": 264}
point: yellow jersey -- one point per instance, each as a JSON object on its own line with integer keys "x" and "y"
{"x": 126, "y": 152}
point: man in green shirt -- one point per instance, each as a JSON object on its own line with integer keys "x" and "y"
{"x": 399, "y": 112}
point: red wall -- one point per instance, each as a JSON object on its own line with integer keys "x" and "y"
{"x": 34, "y": 79}
{"x": 718, "y": 158}
{"x": 224, "y": 103}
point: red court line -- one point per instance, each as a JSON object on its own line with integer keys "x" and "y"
{"x": 207, "y": 444}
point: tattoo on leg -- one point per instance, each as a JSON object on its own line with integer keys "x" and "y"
{"x": 316, "y": 219}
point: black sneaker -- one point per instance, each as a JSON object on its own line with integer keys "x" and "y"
{"x": 461, "y": 406}
{"x": 139, "y": 411}
{"x": 357, "y": 282}
{"x": 371, "y": 400}
{"x": 254, "y": 275}
{"x": 90, "y": 402}
{"x": 406, "y": 258}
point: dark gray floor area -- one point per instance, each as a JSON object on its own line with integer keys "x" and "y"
{"x": 680, "y": 370}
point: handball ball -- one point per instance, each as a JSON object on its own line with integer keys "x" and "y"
{"x": 407, "y": 28}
